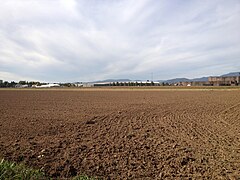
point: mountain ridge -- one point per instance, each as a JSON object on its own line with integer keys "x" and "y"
{"x": 174, "y": 80}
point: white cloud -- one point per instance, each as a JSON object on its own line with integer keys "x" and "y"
{"x": 69, "y": 40}
{"x": 8, "y": 76}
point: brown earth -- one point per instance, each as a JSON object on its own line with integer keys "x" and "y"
{"x": 123, "y": 134}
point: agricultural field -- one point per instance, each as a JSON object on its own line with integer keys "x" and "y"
{"x": 123, "y": 134}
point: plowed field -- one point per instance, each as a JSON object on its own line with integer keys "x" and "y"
{"x": 123, "y": 134}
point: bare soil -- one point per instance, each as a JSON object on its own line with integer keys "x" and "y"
{"x": 123, "y": 134}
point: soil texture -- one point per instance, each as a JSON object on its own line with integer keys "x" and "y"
{"x": 123, "y": 134}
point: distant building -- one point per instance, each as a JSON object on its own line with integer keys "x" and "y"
{"x": 213, "y": 81}
{"x": 128, "y": 83}
{"x": 225, "y": 81}
{"x": 1, "y": 81}
{"x": 102, "y": 84}
{"x": 21, "y": 86}
{"x": 200, "y": 83}
{"x": 87, "y": 84}
{"x": 78, "y": 84}
{"x": 47, "y": 86}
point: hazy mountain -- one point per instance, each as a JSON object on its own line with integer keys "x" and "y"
{"x": 200, "y": 79}
{"x": 112, "y": 80}
{"x": 197, "y": 79}
{"x": 175, "y": 80}
{"x": 184, "y": 80}
{"x": 231, "y": 74}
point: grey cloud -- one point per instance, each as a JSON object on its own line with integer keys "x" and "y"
{"x": 69, "y": 40}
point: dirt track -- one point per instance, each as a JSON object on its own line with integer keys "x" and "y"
{"x": 123, "y": 134}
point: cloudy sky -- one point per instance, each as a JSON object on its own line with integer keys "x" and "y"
{"x": 86, "y": 40}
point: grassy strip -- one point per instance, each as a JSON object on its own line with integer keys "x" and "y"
{"x": 9, "y": 170}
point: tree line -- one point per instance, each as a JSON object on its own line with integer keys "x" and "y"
{"x": 12, "y": 84}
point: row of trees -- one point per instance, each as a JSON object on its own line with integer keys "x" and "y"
{"x": 132, "y": 83}
{"x": 13, "y": 84}
{"x": 6, "y": 84}
{"x": 148, "y": 83}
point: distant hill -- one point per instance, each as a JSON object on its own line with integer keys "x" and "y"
{"x": 200, "y": 79}
{"x": 231, "y": 74}
{"x": 197, "y": 79}
{"x": 184, "y": 80}
{"x": 175, "y": 80}
{"x": 112, "y": 80}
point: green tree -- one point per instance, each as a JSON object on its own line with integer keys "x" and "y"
{"x": 22, "y": 82}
